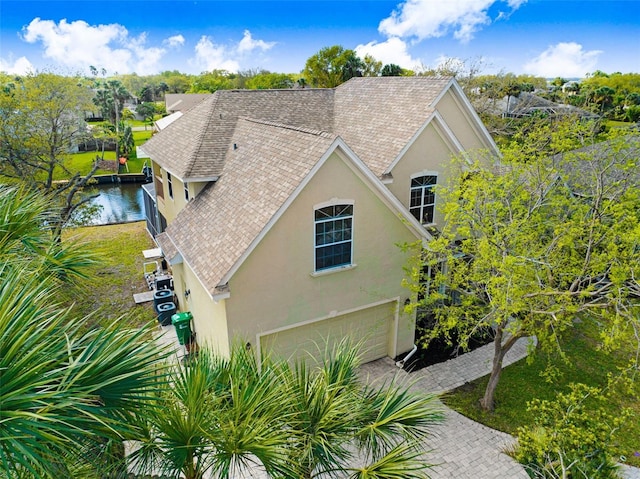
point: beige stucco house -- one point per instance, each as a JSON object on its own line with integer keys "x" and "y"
{"x": 280, "y": 211}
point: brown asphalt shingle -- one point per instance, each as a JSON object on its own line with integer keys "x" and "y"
{"x": 281, "y": 135}
{"x": 195, "y": 145}
{"x": 215, "y": 229}
{"x": 377, "y": 117}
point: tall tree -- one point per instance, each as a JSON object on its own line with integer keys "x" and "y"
{"x": 391, "y": 70}
{"x": 529, "y": 246}
{"x": 267, "y": 80}
{"x": 110, "y": 97}
{"x": 42, "y": 121}
{"x": 329, "y": 67}
{"x": 371, "y": 67}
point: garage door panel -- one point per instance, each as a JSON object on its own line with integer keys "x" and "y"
{"x": 372, "y": 326}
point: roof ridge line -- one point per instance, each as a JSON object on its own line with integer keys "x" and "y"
{"x": 309, "y": 131}
{"x": 197, "y": 144}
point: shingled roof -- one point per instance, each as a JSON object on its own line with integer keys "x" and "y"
{"x": 212, "y": 233}
{"x": 260, "y": 145}
{"x": 377, "y": 117}
{"x": 389, "y": 110}
{"x": 195, "y": 146}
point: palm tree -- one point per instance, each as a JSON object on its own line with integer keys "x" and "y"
{"x": 340, "y": 425}
{"x": 221, "y": 416}
{"x": 67, "y": 392}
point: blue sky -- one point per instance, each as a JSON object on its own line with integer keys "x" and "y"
{"x": 542, "y": 37}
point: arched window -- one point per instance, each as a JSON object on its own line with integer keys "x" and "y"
{"x": 333, "y": 236}
{"x": 423, "y": 199}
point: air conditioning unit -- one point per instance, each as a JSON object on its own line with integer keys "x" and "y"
{"x": 165, "y": 311}
{"x": 161, "y": 296}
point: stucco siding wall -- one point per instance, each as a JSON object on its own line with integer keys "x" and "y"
{"x": 275, "y": 287}
{"x": 209, "y": 316}
{"x": 429, "y": 154}
{"x": 172, "y": 206}
{"x": 460, "y": 123}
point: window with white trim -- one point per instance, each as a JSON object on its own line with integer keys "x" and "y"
{"x": 169, "y": 185}
{"x": 423, "y": 199}
{"x": 333, "y": 236}
{"x": 186, "y": 191}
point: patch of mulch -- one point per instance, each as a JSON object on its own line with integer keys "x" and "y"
{"x": 440, "y": 350}
{"x": 109, "y": 165}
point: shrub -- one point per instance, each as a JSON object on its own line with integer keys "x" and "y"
{"x": 572, "y": 436}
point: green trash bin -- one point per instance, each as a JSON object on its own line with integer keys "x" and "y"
{"x": 182, "y": 323}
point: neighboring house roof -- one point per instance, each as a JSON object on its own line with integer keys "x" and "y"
{"x": 391, "y": 110}
{"x": 183, "y": 101}
{"x": 527, "y": 104}
{"x": 164, "y": 122}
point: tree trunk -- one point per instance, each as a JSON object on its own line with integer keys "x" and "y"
{"x": 499, "y": 350}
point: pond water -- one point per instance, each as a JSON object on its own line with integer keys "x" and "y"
{"x": 121, "y": 202}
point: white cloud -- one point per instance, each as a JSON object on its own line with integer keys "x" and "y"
{"x": 248, "y": 44}
{"x": 77, "y": 45}
{"x": 423, "y": 19}
{"x": 393, "y": 50}
{"x": 566, "y": 59}
{"x": 174, "y": 41}
{"x": 210, "y": 56}
{"x": 21, "y": 66}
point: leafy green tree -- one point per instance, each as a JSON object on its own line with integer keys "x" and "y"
{"x": 126, "y": 141}
{"x": 221, "y": 416}
{"x": 330, "y": 67}
{"x": 66, "y": 392}
{"x": 147, "y": 111}
{"x": 267, "y": 80}
{"x": 41, "y": 122}
{"x": 530, "y": 245}
{"x": 210, "y": 82}
{"x": 371, "y": 67}
{"x": 176, "y": 82}
{"x": 391, "y": 70}
{"x": 353, "y": 66}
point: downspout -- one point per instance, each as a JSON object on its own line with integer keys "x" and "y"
{"x": 401, "y": 363}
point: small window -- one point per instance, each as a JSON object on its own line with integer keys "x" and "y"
{"x": 186, "y": 191}
{"x": 170, "y": 185}
{"x": 423, "y": 199}
{"x": 333, "y": 236}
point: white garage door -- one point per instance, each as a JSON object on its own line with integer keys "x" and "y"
{"x": 373, "y": 326}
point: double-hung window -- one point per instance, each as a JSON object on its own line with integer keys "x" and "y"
{"x": 333, "y": 236}
{"x": 423, "y": 199}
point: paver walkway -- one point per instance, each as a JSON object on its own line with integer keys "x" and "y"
{"x": 462, "y": 448}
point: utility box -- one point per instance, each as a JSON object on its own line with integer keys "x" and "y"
{"x": 182, "y": 323}
{"x": 164, "y": 281}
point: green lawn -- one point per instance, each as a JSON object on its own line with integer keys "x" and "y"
{"x": 108, "y": 293}
{"x": 83, "y": 162}
{"x": 523, "y": 381}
